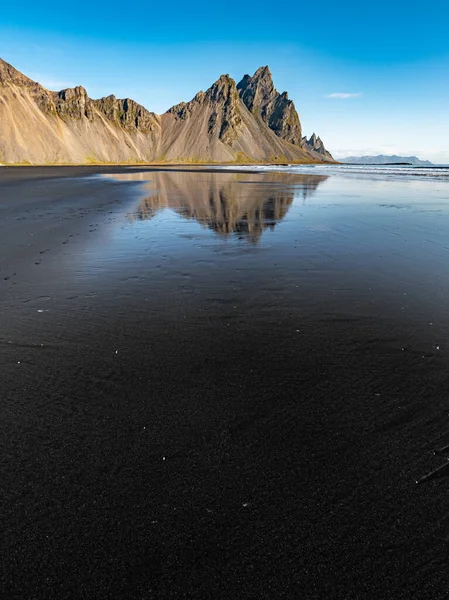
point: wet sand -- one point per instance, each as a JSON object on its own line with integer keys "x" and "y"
{"x": 221, "y": 385}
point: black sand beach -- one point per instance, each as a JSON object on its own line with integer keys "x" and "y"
{"x": 222, "y": 385}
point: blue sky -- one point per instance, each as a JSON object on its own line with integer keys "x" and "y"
{"x": 387, "y": 62}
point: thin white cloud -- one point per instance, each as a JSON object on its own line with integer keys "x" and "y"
{"x": 50, "y": 83}
{"x": 343, "y": 95}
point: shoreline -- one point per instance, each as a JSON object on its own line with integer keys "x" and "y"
{"x": 165, "y": 164}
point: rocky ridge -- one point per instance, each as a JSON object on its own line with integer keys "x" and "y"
{"x": 247, "y": 122}
{"x": 276, "y": 110}
{"x": 315, "y": 146}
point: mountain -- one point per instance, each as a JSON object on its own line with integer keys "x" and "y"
{"x": 217, "y": 126}
{"x": 247, "y": 122}
{"x": 272, "y": 108}
{"x": 39, "y": 126}
{"x": 383, "y": 159}
{"x": 316, "y": 148}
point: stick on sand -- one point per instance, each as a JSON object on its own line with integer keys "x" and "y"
{"x": 440, "y": 472}
{"x": 441, "y": 450}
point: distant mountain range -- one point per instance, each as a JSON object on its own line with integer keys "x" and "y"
{"x": 248, "y": 122}
{"x": 383, "y": 159}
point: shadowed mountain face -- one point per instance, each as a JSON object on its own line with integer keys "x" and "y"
{"x": 265, "y": 102}
{"x": 227, "y": 123}
{"x": 220, "y": 202}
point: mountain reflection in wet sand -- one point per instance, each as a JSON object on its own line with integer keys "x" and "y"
{"x": 245, "y": 204}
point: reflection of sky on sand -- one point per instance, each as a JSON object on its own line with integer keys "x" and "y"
{"x": 280, "y": 209}
{"x": 360, "y": 238}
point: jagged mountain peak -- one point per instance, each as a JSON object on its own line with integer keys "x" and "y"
{"x": 224, "y": 79}
{"x": 261, "y": 77}
{"x": 265, "y": 102}
{"x": 263, "y": 74}
{"x": 222, "y": 96}
{"x": 315, "y": 146}
{"x": 222, "y": 88}
{"x": 256, "y": 90}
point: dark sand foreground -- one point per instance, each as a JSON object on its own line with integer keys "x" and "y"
{"x": 219, "y": 385}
